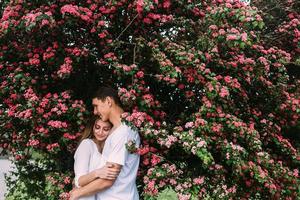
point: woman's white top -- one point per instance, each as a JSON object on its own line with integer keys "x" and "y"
{"x": 87, "y": 158}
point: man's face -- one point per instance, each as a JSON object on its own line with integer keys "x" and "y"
{"x": 101, "y": 108}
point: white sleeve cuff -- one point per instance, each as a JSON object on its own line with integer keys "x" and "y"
{"x": 77, "y": 181}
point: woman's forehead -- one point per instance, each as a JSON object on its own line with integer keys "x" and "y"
{"x": 99, "y": 122}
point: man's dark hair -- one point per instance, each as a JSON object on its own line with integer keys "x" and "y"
{"x": 103, "y": 92}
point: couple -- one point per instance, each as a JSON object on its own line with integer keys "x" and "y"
{"x": 108, "y": 173}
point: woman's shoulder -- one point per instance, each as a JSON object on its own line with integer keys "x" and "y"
{"x": 86, "y": 140}
{"x": 84, "y": 146}
{"x": 86, "y": 143}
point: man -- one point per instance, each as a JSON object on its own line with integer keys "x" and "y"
{"x": 108, "y": 106}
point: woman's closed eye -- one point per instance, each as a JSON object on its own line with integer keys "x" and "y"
{"x": 97, "y": 127}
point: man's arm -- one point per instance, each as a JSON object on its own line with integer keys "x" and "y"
{"x": 108, "y": 172}
{"x": 96, "y": 185}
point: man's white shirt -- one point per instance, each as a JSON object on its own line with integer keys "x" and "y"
{"x": 115, "y": 151}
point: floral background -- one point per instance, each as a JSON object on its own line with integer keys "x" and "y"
{"x": 212, "y": 87}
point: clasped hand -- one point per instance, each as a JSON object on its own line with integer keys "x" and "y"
{"x": 107, "y": 172}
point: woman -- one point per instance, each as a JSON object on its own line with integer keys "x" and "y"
{"x": 88, "y": 166}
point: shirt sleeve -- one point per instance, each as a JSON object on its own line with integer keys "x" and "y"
{"x": 119, "y": 151}
{"x": 82, "y": 160}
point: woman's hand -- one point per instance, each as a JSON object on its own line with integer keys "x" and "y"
{"x": 107, "y": 172}
{"x": 73, "y": 194}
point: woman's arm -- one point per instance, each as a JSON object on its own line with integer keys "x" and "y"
{"x": 82, "y": 161}
{"x": 81, "y": 167}
{"x": 97, "y": 185}
{"x": 108, "y": 172}
{"x": 86, "y": 179}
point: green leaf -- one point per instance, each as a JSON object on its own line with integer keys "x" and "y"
{"x": 242, "y": 45}
{"x": 167, "y": 194}
{"x": 261, "y": 24}
{"x": 241, "y": 18}
{"x": 255, "y": 24}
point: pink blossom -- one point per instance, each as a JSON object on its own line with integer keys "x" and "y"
{"x": 227, "y": 79}
{"x": 199, "y": 180}
{"x": 231, "y": 37}
{"x": 173, "y": 181}
{"x": 189, "y": 124}
{"x": 69, "y": 9}
{"x": 151, "y": 185}
{"x": 200, "y": 122}
{"x": 143, "y": 151}
{"x": 25, "y": 114}
{"x": 33, "y": 143}
{"x": 296, "y": 172}
{"x": 139, "y": 6}
{"x": 67, "y": 180}
{"x": 213, "y": 27}
{"x": 232, "y": 189}
{"x": 170, "y": 140}
{"x": 154, "y": 16}
{"x": 201, "y": 143}
{"x": 65, "y": 95}
{"x": 69, "y": 136}
{"x": 66, "y": 68}
{"x": 13, "y": 96}
{"x": 34, "y": 61}
{"x": 140, "y": 74}
{"x": 30, "y": 95}
{"x": 57, "y": 124}
{"x": 227, "y": 156}
{"x": 50, "y": 147}
{"x": 244, "y": 37}
{"x": 101, "y": 23}
{"x": 224, "y": 92}
{"x": 147, "y": 20}
{"x": 155, "y": 160}
{"x": 184, "y": 196}
{"x": 45, "y": 22}
{"x": 216, "y": 127}
{"x": 102, "y": 35}
{"x": 166, "y": 3}
{"x": 222, "y": 32}
{"x": 146, "y": 161}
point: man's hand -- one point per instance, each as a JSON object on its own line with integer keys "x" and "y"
{"x": 108, "y": 172}
{"x": 74, "y": 194}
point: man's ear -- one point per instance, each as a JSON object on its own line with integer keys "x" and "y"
{"x": 109, "y": 101}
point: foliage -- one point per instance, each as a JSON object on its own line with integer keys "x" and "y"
{"x": 209, "y": 94}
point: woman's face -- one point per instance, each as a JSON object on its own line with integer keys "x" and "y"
{"x": 101, "y": 130}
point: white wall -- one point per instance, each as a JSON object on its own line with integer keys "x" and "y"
{"x": 5, "y": 166}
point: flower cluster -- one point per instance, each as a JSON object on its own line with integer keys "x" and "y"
{"x": 127, "y": 97}
{"x": 210, "y": 86}
{"x": 66, "y": 68}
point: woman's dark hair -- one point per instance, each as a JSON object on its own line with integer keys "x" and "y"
{"x": 88, "y": 130}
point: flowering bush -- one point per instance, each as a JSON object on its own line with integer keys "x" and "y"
{"x": 209, "y": 94}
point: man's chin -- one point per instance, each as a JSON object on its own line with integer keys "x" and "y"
{"x": 105, "y": 119}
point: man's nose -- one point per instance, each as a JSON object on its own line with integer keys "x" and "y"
{"x": 95, "y": 111}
